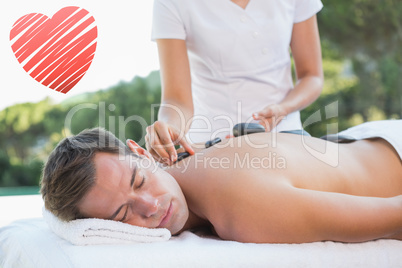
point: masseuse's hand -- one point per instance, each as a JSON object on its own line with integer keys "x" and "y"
{"x": 161, "y": 139}
{"x": 270, "y": 116}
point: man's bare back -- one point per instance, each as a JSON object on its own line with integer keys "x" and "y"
{"x": 239, "y": 188}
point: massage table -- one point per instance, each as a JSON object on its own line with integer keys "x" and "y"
{"x": 30, "y": 243}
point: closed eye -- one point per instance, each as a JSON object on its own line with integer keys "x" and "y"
{"x": 125, "y": 215}
{"x": 142, "y": 182}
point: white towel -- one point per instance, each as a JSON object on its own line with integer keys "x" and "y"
{"x": 100, "y": 232}
{"x": 389, "y": 130}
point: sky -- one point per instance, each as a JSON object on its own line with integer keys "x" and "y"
{"x": 124, "y": 47}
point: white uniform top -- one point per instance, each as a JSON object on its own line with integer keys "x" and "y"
{"x": 239, "y": 58}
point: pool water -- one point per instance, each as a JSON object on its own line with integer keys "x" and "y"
{"x": 27, "y": 190}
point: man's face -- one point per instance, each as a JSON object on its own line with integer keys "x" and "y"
{"x": 129, "y": 191}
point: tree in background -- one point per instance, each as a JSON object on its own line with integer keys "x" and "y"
{"x": 368, "y": 33}
{"x": 362, "y": 60}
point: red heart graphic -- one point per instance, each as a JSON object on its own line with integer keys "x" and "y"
{"x": 56, "y": 52}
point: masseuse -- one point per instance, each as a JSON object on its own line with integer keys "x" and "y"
{"x": 223, "y": 62}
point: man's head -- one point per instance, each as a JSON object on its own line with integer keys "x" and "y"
{"x": 94, "y": 175}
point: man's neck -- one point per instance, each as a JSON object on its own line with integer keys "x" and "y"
{"x": 194, "y": 221}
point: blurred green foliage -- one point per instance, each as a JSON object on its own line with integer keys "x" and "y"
{"x": 30, "y": 131}
{"x": 362, "y": 60}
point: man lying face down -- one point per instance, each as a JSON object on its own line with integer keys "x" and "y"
{"x": 257, "y": 188}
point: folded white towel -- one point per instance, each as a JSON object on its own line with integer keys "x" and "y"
{"x": 97, "y": 231}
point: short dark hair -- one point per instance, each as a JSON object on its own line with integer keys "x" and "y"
{"x": 69, "y": 172}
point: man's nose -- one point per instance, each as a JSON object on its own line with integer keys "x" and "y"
{"x": 146, "y": 205}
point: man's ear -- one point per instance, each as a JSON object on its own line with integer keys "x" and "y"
{"x": 135, "y": 148}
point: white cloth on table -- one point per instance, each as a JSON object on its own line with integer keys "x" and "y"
{"x": 389, "y": 130}
{"x": 29, "y": 243}
{"x": 239, "y": 58}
